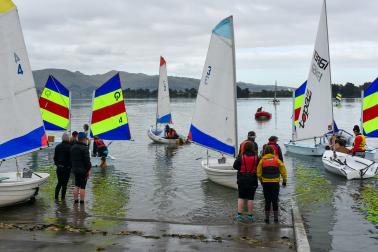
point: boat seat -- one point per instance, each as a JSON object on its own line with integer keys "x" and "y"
{"x": 3, "y": 178}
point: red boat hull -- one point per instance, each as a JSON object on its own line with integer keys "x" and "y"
{"x": 263, "y": 115}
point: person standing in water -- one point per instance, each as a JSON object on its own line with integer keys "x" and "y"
{"x": 272, "y": 142}
{"x": 62, "y": 160}
{"x": 250, "y": 138}
{"x": 101, "y": 150}
{"x": 246, "y": 165}
{"x": 81, "y": 166}
{"x": 269, "y": 171}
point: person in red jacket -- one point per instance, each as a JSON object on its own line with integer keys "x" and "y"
{"x": 272, "y": 141}
{"x": 246, "y": 164}
{"x": 359, "y": 143}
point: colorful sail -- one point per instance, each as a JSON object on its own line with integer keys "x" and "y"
{"x": 109, "y": 119}
{"x": 214, "y": 120}
{"x": 298, "y": 101}
{"x": 370, "y": 110}
{"x": 316, "y": 114}
{"x": 55, "y": 105}
{"x": 163, "y": 109}
{"x": 339, "y": 97}
{"x": 21, "y": 127}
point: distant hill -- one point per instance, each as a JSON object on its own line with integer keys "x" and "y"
{"x": 82, "y": 85}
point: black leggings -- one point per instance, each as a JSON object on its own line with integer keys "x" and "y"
{"x": 271, "y": 192}
{"x": 63, "y": 174}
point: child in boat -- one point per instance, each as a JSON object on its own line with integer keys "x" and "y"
{"x": 172, "y": 134}
{"x": 101, "y": 150}
{"x": 246, "y": 164}
{"x": 340, "y": 146}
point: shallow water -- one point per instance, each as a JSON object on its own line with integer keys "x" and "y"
{"x": 157, "y": 182}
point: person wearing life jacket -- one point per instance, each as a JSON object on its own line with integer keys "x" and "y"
{"x": 269, "y": 171}
{"x": 172, "y": 134}
{"x": 101, "y": 150}
{"x": 359, "y": 143}
{"x": 272, "y": 141}
{"x": 250, "y": 138}
{"x": 246, "y": 165}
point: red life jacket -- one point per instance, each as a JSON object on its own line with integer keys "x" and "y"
{"x": 275, "y": 148}
{"x": 249, "y": 164}
{"x": 99, "y": 143}
{"x": 172, "y": 133}
{"x": 270, "y": 168}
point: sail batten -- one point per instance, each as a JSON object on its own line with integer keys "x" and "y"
{"x": 316, "y": 113}
{"x": 109, "y": 118}
{"x": 163, "y": 114}
{"x": 23, "y": 131}
{"x": 214, "y": 120}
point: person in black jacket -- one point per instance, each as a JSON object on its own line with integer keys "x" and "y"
{"x": 81, "y": 166}
{"x": 63, "y": 163}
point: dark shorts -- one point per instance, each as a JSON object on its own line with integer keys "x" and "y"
{"x": 247, "y": 185}
{"x": 80, "y": 180}
{"x": 103, "y": 153}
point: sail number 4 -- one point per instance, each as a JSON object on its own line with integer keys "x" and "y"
{"x": 17, "y": 60}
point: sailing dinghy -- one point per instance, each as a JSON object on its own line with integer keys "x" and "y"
{"x": 109, "y": 118}
{"x": 163, "y": 112}
{"x": 353, "y": 167}
{"x": 214, "y": 123}
{"x": 55, "y": 106}
{"x": 21, "y": 130}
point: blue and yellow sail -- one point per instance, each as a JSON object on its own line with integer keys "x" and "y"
{"x": 109, "y": 118}
{"x": 55, "y": 105}
{"x": 370, "y": 110}
{"x": 298, "y": 100}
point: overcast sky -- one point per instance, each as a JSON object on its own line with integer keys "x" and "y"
{"x": 274, "y": 38}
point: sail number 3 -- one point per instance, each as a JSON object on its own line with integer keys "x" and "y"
{"x": 17, "y": 60}
{"x": 207, "y": 77}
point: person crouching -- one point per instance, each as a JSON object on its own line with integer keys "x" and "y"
{"x": 246, "y": 164}
{"x": 269, "y": 171}
{"x": 100, "y": 149}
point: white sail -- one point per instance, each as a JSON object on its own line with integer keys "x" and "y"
{"x": 214, "y": 120}
{"x": 316, "y": 116}
{"x": 21, "y": 127}
{"x": 163, "y": 108}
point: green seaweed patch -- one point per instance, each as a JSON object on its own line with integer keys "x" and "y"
{"x": 48, "y": 188}
{"x": 369, "y": 199}
{"x": 311, "y": 187}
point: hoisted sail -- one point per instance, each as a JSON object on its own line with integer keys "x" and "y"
{"x": 298, "y": 101}
{"x": 163, "y": 109}
{"x": 55, "y": 105}
{"x": 370, "y": 110}
{"x": 109, "y": 119}
{"x": 339, "y": 97}
{"x": 316, "y": 115}
{"x": 21, "y": 130}
{"x": 214, "y": 120}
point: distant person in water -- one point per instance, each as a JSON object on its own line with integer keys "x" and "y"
{"x": 269, "y": 171}
{"x": 74, "y": 138}
{"x": 101, "y": 150}
{"x": 81, "y": 166}
{"x": 272, "y": 141}
{"x": 259, "y": 109}
{"x": 62, "y": 160}
{"x": 246, "y": 165}
{"x": 250, "y": 138}
{"x": 359, "y": 144}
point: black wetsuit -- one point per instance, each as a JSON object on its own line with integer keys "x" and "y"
{"x": 62, "y": 161}
{"x": 81, "y": 164}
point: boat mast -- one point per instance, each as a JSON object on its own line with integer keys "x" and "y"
{"x": 275, "y": 91}
{"x": 330, "y": 79}
{"x": 362, "y": 111}
{"x": 90, "y": 117}
{"x": 235, "y": 86}
{"x": 157, "y": 104}
{"x": 293, "y": 119}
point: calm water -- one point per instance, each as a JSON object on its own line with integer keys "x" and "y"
{"x": 150, "y": 181}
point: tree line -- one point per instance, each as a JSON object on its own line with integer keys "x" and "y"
{"x": 349, "y": 90}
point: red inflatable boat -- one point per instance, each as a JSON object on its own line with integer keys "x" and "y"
{"x": 263, "y": 115}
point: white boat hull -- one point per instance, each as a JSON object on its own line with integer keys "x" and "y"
{"x": 96, "y": 161}
{"x": 157, "y": 136}
{"x": 350, "y": 167}
{"x": 17, "y": 189}
{"x": 221, "y": 173}
{"x": 305, "y": 149}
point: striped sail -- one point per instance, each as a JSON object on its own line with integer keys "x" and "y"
{"x": 339, "y": 97}
{"x": 316, "y": 114}
{"x": 109, "y": 119}
{"x": 298, "y": 101}
{"x": 214, "y": 120}
{"x": 21, "y": 127}
{"x": 55, "y": 105}
{"x": 163, "y": 109}
{"x": 370, "y": 110}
